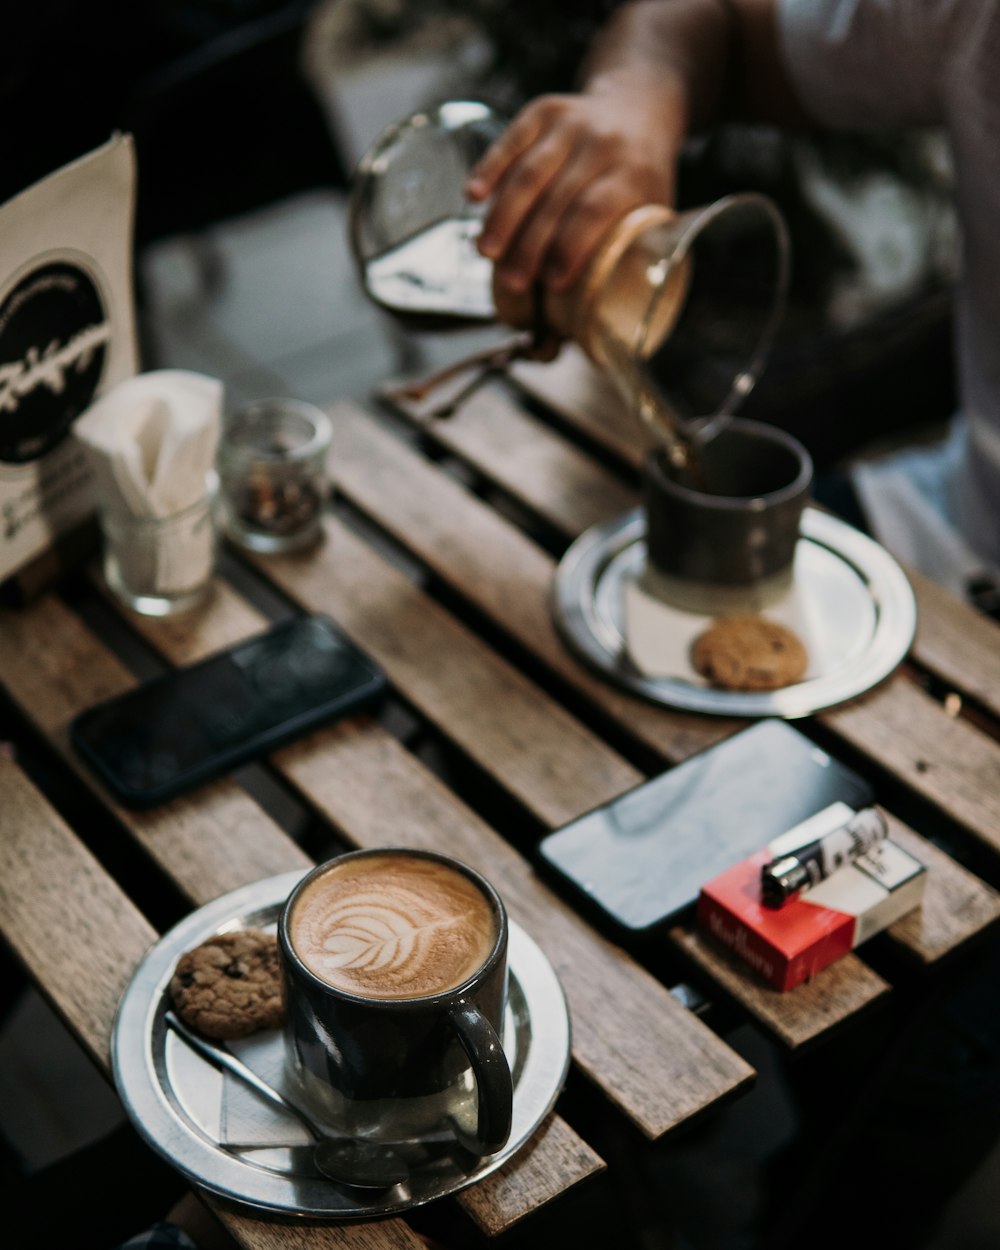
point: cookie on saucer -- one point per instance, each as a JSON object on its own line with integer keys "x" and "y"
{"x": 749, "y": 653}
{"x": 230, "y": 986}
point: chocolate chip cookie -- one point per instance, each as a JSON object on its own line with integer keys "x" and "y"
{"x": 230, "y": 986}
{"x": 749, "y": 653}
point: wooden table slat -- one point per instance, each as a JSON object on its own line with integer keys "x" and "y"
{"x": 390, "y": 481}
{"x": 376, "y": 793}
{"x": 501, "y": 1201}
{"x": 74, "y": 930}
{"x": 540, "y": 754}
{"x": 81, "y": 938}
{"x": 973, "y": 665}
{"x": 492, "y": 565}
{"x": 533, "y": 464}
{"x": 944, "y": 759}
{"x": 796, "y": 1016}
{"x": 575, "y": 389}
{"x": 932, "y": 752}
{"x": 208, "y": 843}
{"x": 956, "y": 903}
{"x": 586, "y": 399}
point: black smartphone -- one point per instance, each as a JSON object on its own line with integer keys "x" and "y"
{"x": 642, "y": 858}
{"x": 176, "y": 731}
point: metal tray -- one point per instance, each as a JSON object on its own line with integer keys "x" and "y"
{"x": 228, "y": 1140}
{"x": 860, "y": 608}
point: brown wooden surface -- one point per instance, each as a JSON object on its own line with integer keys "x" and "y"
{"x": 449, "y": 589}
{"x": 514, "y": 1191}
{"x": 65, "y": 919}
{"x": 375, "y": 792}
{"x": 956, "y": 904}
{"x": 219, "y": 838}
{"x": 390, "y": 481}
{"x": 797, "y": 1016}
{"x": 959, "y": 646}
{"x": 942, "y": 758}
{"x": 81, "y": 938}
{"x": 945, "y": 759}
{"x": 493, "y": 565}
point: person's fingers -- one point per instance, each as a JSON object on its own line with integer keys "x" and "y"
{"x": 604, "y": 201}
{"x": 522, "y": 132}
{"x": 522, "y": 193}
{"x": 562, "y": 174}
{"x": 523, "y": 258}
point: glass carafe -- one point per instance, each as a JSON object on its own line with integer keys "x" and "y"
{"x": 412, "y": 229}
{"x": 680, "y": 308}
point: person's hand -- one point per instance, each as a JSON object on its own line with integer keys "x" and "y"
{"x": 567, "y": 169}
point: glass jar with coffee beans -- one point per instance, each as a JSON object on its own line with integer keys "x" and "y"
{"x": 272, "y": 474}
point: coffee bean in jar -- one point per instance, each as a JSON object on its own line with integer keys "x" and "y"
{"x": 273, "y": 476}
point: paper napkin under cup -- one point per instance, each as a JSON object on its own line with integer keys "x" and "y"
{"x": 659, "y": 636}
{"x": 152, "y": 441}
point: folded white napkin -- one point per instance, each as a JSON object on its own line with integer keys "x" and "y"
{"x": 660, "y": 636}
{"x": 152, "y": 440}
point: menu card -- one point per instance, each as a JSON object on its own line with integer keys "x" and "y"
{"x": 67, "y": 333}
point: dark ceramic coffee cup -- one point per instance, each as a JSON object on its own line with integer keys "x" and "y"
{"x": 422, "y": 1068}
{"x": 727, "y": 543}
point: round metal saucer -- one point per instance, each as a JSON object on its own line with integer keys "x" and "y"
{"x": 859, "y": 604}
{"x": 178, "y": 1101}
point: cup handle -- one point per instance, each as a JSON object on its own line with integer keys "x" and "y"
{"x": 493, "y": 1080}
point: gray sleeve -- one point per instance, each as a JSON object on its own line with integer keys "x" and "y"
{"x": 869, "y": 63}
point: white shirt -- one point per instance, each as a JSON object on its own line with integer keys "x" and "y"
{"x": 860, "y": 64}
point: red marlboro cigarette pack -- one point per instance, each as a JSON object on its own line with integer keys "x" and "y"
{"x": 789, "y": 944}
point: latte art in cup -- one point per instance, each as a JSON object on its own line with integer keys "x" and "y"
{"x": 392, "y": 927}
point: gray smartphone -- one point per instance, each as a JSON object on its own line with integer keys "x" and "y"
{"x": 642, "y": 858}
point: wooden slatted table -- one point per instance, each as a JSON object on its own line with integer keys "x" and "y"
{"x": 438, "y": 558}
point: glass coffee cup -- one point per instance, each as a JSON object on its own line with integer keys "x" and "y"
{"x": 395, "y": 965}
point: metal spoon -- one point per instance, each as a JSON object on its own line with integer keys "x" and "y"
{"x": 347, "y": 1160}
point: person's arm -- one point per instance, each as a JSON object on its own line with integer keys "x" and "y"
{"x": 568, "y": 167}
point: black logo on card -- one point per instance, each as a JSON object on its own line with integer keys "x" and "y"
{"x": 54, "y": 337}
